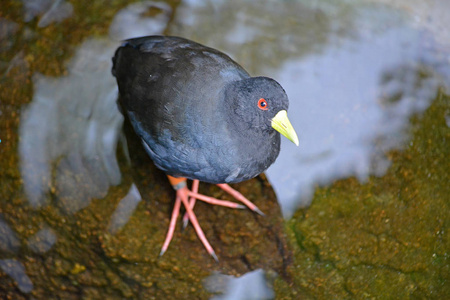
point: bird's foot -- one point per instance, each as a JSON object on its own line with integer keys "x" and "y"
{"x": 182, "y": 196}
{"x": 238, "y": 196}
{"x": 188, "y": 198}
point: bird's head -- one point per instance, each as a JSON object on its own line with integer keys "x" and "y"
{"x": 261, "y": 104}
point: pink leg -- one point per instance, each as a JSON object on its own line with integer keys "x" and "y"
{"x": 240, "y": 197}
{"x": 195, "y": 184}
{"x": 188, "y": 198}
{"x": 183, "y": 194}
{"x": 173, "y": 219}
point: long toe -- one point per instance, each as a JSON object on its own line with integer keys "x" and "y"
{"x": 194, "y": 195}
{"x": 238, "y": 196}
{"x": 188, "y": 198}
{"x": 194, "y": 189}
{"x": 183, "y": 194}
{"x": 172, "y": 224}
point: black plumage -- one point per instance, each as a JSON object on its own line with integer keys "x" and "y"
{"x": 200, "y": 116}
{"x": 196, "y": 109}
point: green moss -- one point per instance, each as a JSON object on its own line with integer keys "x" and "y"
{"x": 389, "y": 237}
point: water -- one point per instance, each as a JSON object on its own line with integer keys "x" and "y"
{"x": 352, "y": 71}
{"x": 355, "y": 73}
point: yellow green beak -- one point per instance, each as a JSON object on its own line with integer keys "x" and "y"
{"x": 282, "y": 124}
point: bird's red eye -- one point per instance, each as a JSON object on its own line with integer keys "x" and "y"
{"x": 262, "y": 104}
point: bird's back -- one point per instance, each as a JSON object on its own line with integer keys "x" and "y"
{"x": 171, "y": 89}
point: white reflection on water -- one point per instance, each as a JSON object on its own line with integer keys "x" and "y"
{"x": 71, "y": 127}
{"x": 250, "y": 286}
{"x": 70, "y": 130}
{"x": 42, "y": 241}
{"x": 16, "y": 271}
{"x": 9, "y": 242}
{"x": 351, "y": 104}
{"x": 49, "y": 11}
{"x": 124, "y": 210}
{"x": 133, "y": 21}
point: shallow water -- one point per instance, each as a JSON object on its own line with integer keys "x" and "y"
{"x": 356, "y": 72}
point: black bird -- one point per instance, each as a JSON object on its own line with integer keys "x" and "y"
{"x": 200, "y": 116}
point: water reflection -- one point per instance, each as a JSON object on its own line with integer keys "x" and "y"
{"x": 355, "y": 105}
{"x": 7, "y": 30}
{"x": 134, "y": 20}
{"x": 8, "y": 238}
{"x": 49, "y": 11}
{"x": 70, "y": 131}
{"x": 252, "y": 285}
{"x": 124, "y": 210}
{"x": 42, "y": 241}
{"x": 354, "y": 74}
{"x": 16, "y": 271}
